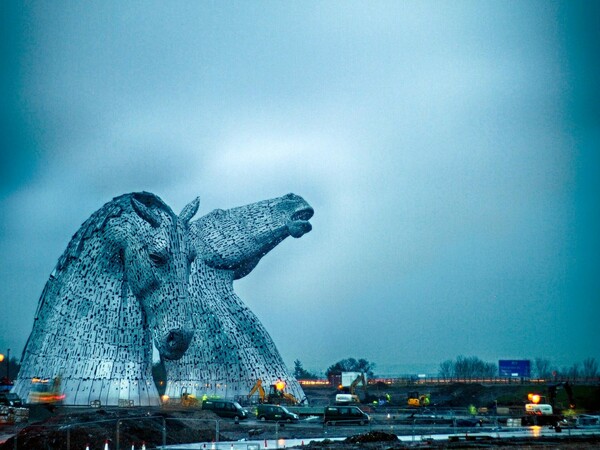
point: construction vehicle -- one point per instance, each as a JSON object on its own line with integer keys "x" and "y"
{"x": 345, "y": 399}
{"x": 45, "y": 390}
{"x": 414, "y": 399}
{"x": 185, "y": 400}
{"x": 258, "y": 388}
{"x": 276, "y": 395}
{"x": 189, "y": 400}
{"x": 347, "y": 390}
{"x": 542, "y": 411}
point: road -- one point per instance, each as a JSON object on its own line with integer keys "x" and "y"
{"x": 404, "y": 434}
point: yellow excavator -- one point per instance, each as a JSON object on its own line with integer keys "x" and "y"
{"x": 189, "y": 400}
{"x": 414, "y": 399}
{"x": 276, "y": 395}
{"x": 186, "y": 400}
{"x": 351, "y": 390}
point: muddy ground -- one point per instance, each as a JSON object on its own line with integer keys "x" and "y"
{"x": 61, "y": 428}
{"x": 382, "y": 442}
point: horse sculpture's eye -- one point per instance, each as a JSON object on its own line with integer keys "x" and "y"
{"x": 158, "y": 260}
{"x": 191, "y": 256}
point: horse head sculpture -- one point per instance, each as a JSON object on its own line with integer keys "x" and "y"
{"x": 120, "y": 284}
{"x": 231, "y": 349}
{"x": 156, "y": 266}
{"x": 255, "y": 230}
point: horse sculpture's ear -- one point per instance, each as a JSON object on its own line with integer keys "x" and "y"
{"x": 145, "y": 213}
{"x": 189, "y": 210}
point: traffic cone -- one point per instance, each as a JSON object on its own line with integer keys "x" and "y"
{"x": 87, "y": 446}
{"x": 106, "y": 445}
{"x": 143, "y": 445}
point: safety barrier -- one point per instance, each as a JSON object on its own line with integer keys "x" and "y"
{"x": 271, "y": 435}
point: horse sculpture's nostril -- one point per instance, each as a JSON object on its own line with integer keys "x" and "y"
{"x": 175, "y": 343}
{"x": 172, "y": 339}
{"x": 176, "y": 338}
{"x": 303, "y": 214}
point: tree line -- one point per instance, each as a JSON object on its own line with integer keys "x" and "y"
{"x": 473, "y": 367}
{"x": 587, "y": 369}
{"x": 344, "y": 365}
{"x": 461, "y": 367}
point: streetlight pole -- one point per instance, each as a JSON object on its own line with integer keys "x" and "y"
{"x": 8, "y": 365}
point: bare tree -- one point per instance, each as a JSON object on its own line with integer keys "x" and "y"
{"x": 574, "y": 371}
{"x": 590, "y": 368}
{"x": 468, "y": 367}
{"x": 446, "y": 369}
{"x": 542, "y": 368}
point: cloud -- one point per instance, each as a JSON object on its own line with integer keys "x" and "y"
{"x": 439, "y": 146}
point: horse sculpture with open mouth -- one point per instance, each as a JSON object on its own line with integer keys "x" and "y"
{"x": 120, "y": 285}
{"x": 231, "y": 349}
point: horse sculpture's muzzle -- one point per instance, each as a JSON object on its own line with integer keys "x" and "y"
{"x": 299, "y": 224}
{"x": 174, "y": 344}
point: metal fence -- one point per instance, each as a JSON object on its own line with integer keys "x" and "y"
{"x": 257, "y": 435}
{"x": 272, "y": 432}
{"x": 412, "y": 380}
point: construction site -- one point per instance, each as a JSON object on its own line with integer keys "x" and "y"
{"x": 396, "y": 415}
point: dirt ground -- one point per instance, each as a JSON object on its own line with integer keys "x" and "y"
{"x": 352, "y": 444}
{"x": 61, "y": 428}
{"x": 461, "y": 395}
{"x": 77, "y": 429}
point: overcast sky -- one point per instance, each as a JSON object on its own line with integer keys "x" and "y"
{"x": 450, "y": 151}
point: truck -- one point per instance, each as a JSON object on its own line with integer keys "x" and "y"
{"x": 542, "y": 411}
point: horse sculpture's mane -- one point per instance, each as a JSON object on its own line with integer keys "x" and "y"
{"x": 98, "y": 220}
